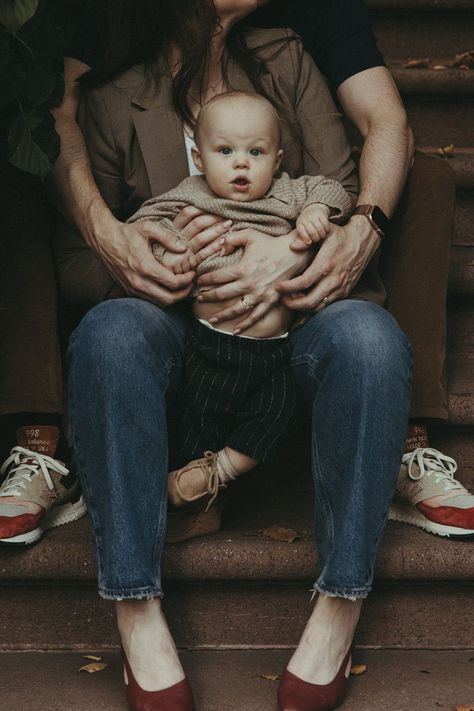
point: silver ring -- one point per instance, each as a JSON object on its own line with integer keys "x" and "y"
{"x": 325, "y": 301}
{"x": 246, "y": 304}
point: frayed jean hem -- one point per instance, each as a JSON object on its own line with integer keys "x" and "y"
{"x": 345, "y": 593}
{"x": 134, "y": 594}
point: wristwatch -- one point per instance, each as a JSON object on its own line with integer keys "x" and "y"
{"x": 378, "y": 220}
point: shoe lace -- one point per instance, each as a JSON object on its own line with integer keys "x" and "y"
{"x": 25, "y": 464}
{"x": 214, "y": 481}
{"x": 432, "y": 460}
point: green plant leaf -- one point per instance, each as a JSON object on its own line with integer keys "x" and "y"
{"x": 24, "y": 153}
{"x": 39, "y": 84}
{"x": 14, "y": 13}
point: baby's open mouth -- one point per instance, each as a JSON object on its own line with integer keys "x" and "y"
{"x": 241, "y": 182}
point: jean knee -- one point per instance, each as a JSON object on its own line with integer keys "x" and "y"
{"x": 122, "y": 330}
{"x": 368, "y": 337}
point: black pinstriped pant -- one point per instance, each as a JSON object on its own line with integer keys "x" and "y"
{"x": 236, "y": 392}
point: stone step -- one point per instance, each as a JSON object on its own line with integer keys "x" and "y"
{"x": 429, "y": 82}
{"x": 239, "y": 588}
{"x": 235, "y": 681}
{"x": 429, "y": 6}
{"x": 439, "y": 104}
{"x": 460, "y": 366}
{"x": 404, "y": 34}
{"x": 459, "y": 444}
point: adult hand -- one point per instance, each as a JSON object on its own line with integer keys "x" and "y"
{"x": 265, "y": 262}
{"x": 126, "y": 252}
{"x": 336, "y": 268}
{"x": 201, "y": 232}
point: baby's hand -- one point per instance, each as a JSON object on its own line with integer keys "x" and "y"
{"x": 176, "y": 263}
{"x": 312, "y": 224}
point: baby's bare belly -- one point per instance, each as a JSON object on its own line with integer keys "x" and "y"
{"x": 275, "y": 323}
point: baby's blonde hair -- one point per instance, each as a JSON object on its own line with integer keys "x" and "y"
{"x": 237, "y": 96}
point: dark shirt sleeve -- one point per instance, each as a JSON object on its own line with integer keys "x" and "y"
{"x": 337, "y": 33}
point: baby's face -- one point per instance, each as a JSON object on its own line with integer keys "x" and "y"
{"x": 238, "y": 150}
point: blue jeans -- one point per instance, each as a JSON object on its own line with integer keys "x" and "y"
{"x": 126, "y": 361}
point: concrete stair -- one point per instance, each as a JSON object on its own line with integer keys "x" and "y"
{"x": 235, "y": 681}
{"x": 239, "y": 590}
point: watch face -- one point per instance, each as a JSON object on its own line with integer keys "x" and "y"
{"x": 380, "y": 219}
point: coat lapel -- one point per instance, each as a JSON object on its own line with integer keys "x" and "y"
{"x": 160, "y": 135}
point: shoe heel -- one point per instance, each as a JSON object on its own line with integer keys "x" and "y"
{"x": 66, "y": 513}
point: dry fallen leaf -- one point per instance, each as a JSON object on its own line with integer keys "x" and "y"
{"x": 279, "y": 533}
{"x": 465, "y": 58}
{"x": 92, "y": 657}
{"x": 424, "y": 671}
{"x": 357, "y": 669}
{"x": 446, "y": 150}
{"x": 271, "y": 677}
{"x": 93, "y": 668}
{"x": 439, "y": 66}
{"x": 416, "y": 63}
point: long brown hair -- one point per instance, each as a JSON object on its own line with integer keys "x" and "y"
{"x": 139, "y": 31}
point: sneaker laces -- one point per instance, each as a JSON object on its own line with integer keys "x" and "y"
{"x": 26, "y": 464}
{"x": 432, "y": 460}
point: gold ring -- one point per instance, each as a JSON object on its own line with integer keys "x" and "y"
{"x": 246, "y": 304}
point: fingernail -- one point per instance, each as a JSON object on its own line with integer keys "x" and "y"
{"x": 222, "y": 240}
{"x": 199, "y": 298}
{"x": 227, "y": 223}
{"x": 213, "y": 320}
{"x": 236, "y": 331}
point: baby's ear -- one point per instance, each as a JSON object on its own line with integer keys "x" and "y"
{"x": 197, "y": 159}
{"x": 278, "y": 160}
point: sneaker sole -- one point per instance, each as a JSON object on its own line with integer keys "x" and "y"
{"x": 407, "y": 513}
{"x": 56, "y": 517}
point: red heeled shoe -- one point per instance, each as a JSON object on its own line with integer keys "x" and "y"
{"x": 178, "y": 697}
{"x": 294, "y": 694}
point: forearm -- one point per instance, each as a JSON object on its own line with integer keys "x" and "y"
{"x": 385, "y": 160}
{"x": 74, "y": 186}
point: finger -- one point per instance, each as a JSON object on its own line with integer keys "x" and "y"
{"x": 231, "y": 312}
{"x": 211, "y": 249}
{"x": 199, "y": 224}
{"x": 314, "y": 300}
{"x": 158, "y": 233}
{"x": 162, "y": 276}
{"x": 159, "y": 295}
{"x": 299, "y": 246}
{"x": 252, "y": 317}
{"x": 220, "y": 276}
{"x": 185, "y": 216}
{"x": 231, "y": 290}
{"x": 203, "y": 238}
{"x": 303, "y": 234}
{"x": 227, "y": 247}
{"x": 301, "y": 283}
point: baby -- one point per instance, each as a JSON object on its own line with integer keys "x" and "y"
{"x": 239, "y": 396}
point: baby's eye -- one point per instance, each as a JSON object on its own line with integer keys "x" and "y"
{"x": 255, "y": 151}
{"x": 226, "y": 151}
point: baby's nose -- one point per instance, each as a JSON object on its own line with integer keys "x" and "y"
{"x": 241, "y": 160}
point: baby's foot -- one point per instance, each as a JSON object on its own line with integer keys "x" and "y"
{"x": 197, "y": 479}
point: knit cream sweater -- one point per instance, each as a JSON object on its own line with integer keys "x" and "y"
{"x": 274, "y": 214}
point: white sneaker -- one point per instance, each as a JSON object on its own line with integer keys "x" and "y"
{"x": 427, "y": 475}
{"x": 39, "y": 492}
